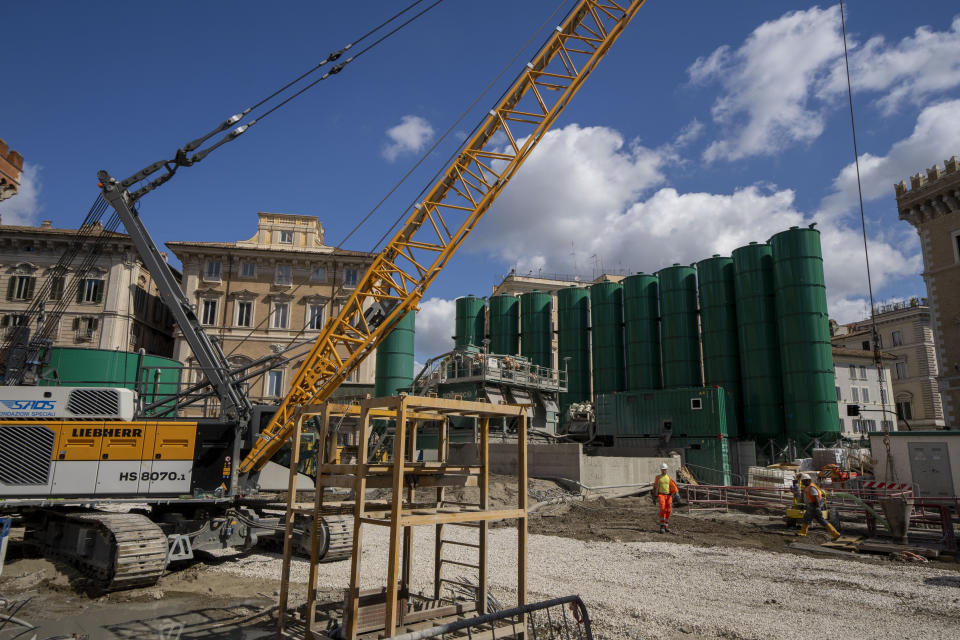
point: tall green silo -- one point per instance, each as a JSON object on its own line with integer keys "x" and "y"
{"x": 505, "y": 325}
{"x": 759, "y": 347}
{"x": 641, "y": 331}
{"x": 606, "y": 318}
{"x": 536, "y": 335}
{"x": 679, "y": 333}
{"x": 718, "y": 329}
{"x": 469, "y": 323}
{"x": 395, "y": 358}
{"x": 573, "y": 342}
{"x": 809, "y": 392}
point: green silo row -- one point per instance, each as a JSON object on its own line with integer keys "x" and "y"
{"x": 641, "y": 329}
{"x": 536, "y": 337}
{"x": 606, "y": 318}
{"x": 505, "y": 325}
{"x": 395, "y": 358}
{"x": 759, "y": 348}
{"x": 679, "y": 330}
{"x": 469, "y": 321}
{"x": 718, "y": 326}
{"x": 573, "y": 342}
{"x": 809, "y": 396}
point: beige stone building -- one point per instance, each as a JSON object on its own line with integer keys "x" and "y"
{"x": 932, "y": 206}
{"x": 261, "y": 295}
{"x": 11, "y": 166}
{"x": 906, "y": 333}
{"x": 115, "y": 305}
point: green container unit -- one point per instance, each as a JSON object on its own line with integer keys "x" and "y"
{"x": 469, "y": 323}
{"x": 679, "y": 331}
{"x": 718, "y": 329}
{"x": 505, "y": 325}
{"x": 395, "y": 358}
{"x": 606, "y": 318}
{"x": 759, "y": 347}
{"x": 688, "y": 412}
{"x": 573, "y": 342}
{"x": 536, "y": 335}
{"x": 707, "y": 458}
{"x": 809, "y": 391}
{"x": 641, "y": 330}
{"x": 155, "y": 378}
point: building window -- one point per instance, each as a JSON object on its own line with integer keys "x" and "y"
{"x": 85, "y": 327}
{"x": 696, "y": 404}
{"x": 158, "y": 309}
{"x": 211, "y": 271}
{"x": 350, "y": 277}
{"x": 275, "y": 384}
{"x": 863, "y": 372}
{"x": 887, "y": 425}
{"x": 319, "y": 274}
{"x": 248, "y": 269}
{"x": 286, "y": 237}
{"x": 20, "y": 287}
{"x": 281, "y": 315}
{"x": 956, "y": 246}
{"x": 868, "y": 425}
{"x": 853, "y": 372}
{"x": 883, "y": 396}
{"x": 209, "y": 315}
{"x": 284, "y": 275}
{"x": 315, "y": 317}
{"x": 855, "y": 394}
{"x": 244, "y": 314}
{"x": 841, "y": 424}
{"x": 56, "y": 287}
{"x": 900, "y": 370}
{"x": 139, "y": 298}
{"x": 897, "y": 338}
{"x": 865, "y": 345}
{"x": 839, "y": 399}
{"x": 865, "y": 394}
{"x": 91, "y": 290}
{"x": 904, "y": 410}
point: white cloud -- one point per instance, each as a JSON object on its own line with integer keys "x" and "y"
{"x": 767, "y": 82}
{"x": 435, "y": 328}
{"x": 911, "y": 70}
{"x": 585, "y": 189}
{"x": 23, "y": 208}
{"x": 410, "y": 136}
{"x": 935, "y": 138}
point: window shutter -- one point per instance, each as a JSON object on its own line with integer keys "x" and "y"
{"x": 98, "y": 292}
{"x": 83, "y": 285}
{"x": 11, "y": 285}
{"x": 94, "y": 324}
{"x": 5, "y": 321}
{"x": 28, "y": 293}
{"x": 76, "y": 323}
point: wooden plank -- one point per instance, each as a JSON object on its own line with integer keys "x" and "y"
{"x": 288, "y": 528}
{"x": 351, "y": 612}
{"x": 315, "y": 520}
{"x": 466, "y": 518}
{"x": 485, "y": 505}
{"x": 399, "y": 457}
{"x": 522, "y": 506}
{"x": 885, "y": 547}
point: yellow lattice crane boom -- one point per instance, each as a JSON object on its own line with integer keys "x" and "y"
{"x": 438, "y": 225}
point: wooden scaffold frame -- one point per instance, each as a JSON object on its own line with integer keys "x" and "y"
{"x": 384, "y": 612}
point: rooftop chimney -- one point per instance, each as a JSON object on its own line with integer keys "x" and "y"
{"x": 46, "y": 224}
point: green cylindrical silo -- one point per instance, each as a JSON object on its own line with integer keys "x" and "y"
{"x": 573, "y": 342}
{"x": 759, "y": 348}
{"x": 469, "y": 324}
{"x": 505, "y": 325}
{"x": 536, "y": 337}
{"x": 718, "y": 330}
{"x": 606, "y": 317}
{"x": 809, "y": 392}
{"x": 395, "y": 358}
{"x": 679, "y": 333}
{"x": 641, "y": 331}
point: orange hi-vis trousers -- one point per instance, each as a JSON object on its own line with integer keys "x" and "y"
{"x": 665, "y": 502}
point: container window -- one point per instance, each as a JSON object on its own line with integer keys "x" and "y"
{"x": 696, "y": 404}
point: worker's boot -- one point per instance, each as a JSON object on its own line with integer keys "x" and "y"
{"x": 666, "y": 528}
{"x": 833, "y": 531}
{"x": 663, "y": 528}
{"x": 803, "y": 530}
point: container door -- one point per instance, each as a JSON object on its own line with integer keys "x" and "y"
{"x": 121, "y": 455}
{"x": 172, "y": 460}
{"x": 27, "y": 454}
{"x": 930, "y": 468}
{"x": 78, "y": 458}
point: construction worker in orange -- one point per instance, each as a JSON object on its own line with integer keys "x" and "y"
{"x": 813, "y": 499}
{"x": 664, "y": 488}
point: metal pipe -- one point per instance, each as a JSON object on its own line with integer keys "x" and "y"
{"x": 865, "y": 506}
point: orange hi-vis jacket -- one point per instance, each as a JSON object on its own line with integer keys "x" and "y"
{"x": 665, "y": 485}
{"x": 813, "y": 494}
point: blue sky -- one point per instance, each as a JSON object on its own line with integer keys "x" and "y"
{"x": 707, "y": 126}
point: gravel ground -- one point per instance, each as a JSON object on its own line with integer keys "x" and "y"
{"x": 665, "y": 590}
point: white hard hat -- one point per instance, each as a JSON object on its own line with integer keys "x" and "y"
{"x": 663, "y": 466}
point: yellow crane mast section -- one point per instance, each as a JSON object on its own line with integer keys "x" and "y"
{"x": 402, "y": 271}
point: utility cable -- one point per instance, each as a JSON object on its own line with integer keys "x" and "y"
{"x": 877, "y": 354}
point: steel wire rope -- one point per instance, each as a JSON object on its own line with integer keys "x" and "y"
{"x": 420, "y": 161}
{"x": 877, "y": 354}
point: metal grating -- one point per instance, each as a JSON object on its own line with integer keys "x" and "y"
{"x": 94, "y": 402}
{"x": 25, "y": 454}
